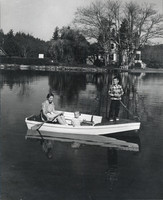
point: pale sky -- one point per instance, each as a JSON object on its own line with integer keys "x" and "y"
{"x": 40, "y": 17}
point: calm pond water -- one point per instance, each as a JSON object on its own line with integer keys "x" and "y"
{"x": 89, "y": 171}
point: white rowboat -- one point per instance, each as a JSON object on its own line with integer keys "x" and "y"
{"x": 99, "y": 127}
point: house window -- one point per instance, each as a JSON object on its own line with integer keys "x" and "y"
{"x": 138, "y": 55}
{"x": 113, "y": 57}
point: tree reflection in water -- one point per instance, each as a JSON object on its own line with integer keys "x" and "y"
{"x": 12, "y": 77}
{"x": 20, "y": 79}
{"x": 84, "y": 91}
{"x": 134, "y": 101}
{"x": 72, "y": 88}
{"x": 67, "y": 86}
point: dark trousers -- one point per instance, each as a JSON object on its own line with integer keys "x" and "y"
{"x": 114, "y": 109}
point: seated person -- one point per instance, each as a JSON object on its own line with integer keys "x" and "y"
{"x": 76, "y": 121}
{"x": 48, "y": 110}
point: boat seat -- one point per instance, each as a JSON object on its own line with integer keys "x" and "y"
{"x": 96, "y": 119}
{"x": 92, "y": 118}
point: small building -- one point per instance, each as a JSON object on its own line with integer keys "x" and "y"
{"x": 138, "y": 57}
{"x": 138, "y": 62}
{"x": 41, "y": 55}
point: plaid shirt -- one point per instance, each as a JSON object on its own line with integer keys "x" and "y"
{"x": 116, "y": 92}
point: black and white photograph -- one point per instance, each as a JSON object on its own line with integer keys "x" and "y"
{"x": 81, "y": 100}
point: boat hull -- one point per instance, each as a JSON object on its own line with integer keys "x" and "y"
{"x": 86, "y": 130}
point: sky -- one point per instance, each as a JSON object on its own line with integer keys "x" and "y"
{"x": 40, "y": 17}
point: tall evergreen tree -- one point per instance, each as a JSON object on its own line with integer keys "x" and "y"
{"x": 1, "y": 38}
{"x": 56, "y": 34}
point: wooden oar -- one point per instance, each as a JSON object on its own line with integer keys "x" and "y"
{"x": 38, "y": 126}
{"x": 45, "y": 147}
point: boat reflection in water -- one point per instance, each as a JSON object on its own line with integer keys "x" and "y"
{"x": 113, "y": 145}
{"x": 124, "y": 143}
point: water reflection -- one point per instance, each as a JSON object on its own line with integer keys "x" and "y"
{"x": 67, "y": 86}
{"x": 86, "y": 92}
{"x": 12, "y": 78}
{"x": 112, "y": 172}
{"x": 91, "y": 165}
{"x": 89, "y": 90}
{"x": 78, "y": 140}
{"x": 112, "y": 144}
{"x": 103, "y": 141}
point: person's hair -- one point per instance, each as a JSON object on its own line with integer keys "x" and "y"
{"x": 77, "y": 112}
{"x": 49, "y": 95}
{"x": 115, "y": 77}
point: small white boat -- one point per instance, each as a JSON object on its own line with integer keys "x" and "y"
{"x": 98, "y": 126}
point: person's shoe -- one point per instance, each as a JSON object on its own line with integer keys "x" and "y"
{"x": 111, "y": 120}
{"x": 117, "y": 119}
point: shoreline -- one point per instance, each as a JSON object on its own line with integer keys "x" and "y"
{"x": 92, "y": 69}
{"x": 52, "y": 68}
{"x": 146, "y": 70}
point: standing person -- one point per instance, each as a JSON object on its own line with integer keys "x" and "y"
{"x": 48, "y": 110}
{"x": 115, "y": 92}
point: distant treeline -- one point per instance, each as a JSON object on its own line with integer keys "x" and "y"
{"x": 22, "y": 45}
{"x": 153, "y": 56}
{"x": 66, "y": 46}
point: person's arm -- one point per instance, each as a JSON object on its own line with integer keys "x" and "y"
{"x": 110, "y": 92}
{"x": 72, "y": 122}
{"x": 121, "y": 91}
{"x": 44, "y": 109}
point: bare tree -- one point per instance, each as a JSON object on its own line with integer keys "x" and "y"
{"x": 98, "y": 20}
{"x": 101, "y": 21}
{"x": 144, "y": 24}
